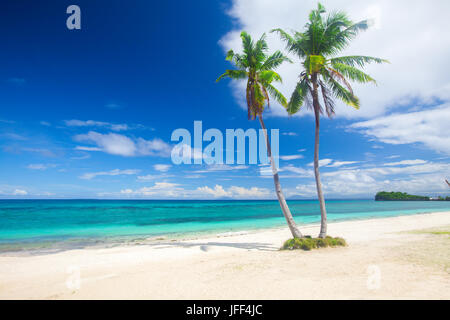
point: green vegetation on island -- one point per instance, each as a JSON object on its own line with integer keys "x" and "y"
{"x": 403, "y": 196}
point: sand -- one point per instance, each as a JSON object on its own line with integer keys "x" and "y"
{"x": 389, "y": 258}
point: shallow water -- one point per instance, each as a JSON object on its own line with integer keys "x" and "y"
{"x": 52, "y": 224}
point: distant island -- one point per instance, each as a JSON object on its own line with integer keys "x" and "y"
{"x": 403, "y": 196}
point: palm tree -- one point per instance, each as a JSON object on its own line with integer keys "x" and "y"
{"x": 317, "y": 46}
{"x": 257, "y": 67}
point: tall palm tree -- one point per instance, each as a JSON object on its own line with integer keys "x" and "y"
{"x": 317, "y": 46}
{"x": 257, "y": 67}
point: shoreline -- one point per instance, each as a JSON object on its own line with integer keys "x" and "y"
{"x": 55, "y": 246}
{"x": 413, "y": 263}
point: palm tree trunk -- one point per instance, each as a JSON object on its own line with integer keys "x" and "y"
{"x": 276, "y": 179}
{"x": 323, "y": 210}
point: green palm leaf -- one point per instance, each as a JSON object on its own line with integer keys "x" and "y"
{"x": 353, "y": 73}
{"x": 360, "y": 61}
{"x": 233, "y": 74}
{"x": 299, "y": 95}
{"x": 277, "y": 95}
{"x": 343, "y": 94}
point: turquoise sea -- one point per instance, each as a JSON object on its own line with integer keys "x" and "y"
{"x": 60, "y": 224}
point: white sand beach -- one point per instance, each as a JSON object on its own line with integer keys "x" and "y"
{"x": 389, "y": 258}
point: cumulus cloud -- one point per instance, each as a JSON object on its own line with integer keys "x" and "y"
{"x": 403, "y": 32}
{"x": 161, "y": 190}
{"x": 20, "y": 192}
{"x": 420, "y": 178}
{"x": 155, "y": 147}
{"x": 426, "y": 127}
{"x": 122, "y": 145}
{"x": 217, "y": 192}
{"x": 115, "y": 172}
{"x": 236, "y": 192}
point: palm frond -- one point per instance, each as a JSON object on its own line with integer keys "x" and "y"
{"x": 360, "y": 61}
{"x": 247, "y": 43}
{"x": 274, "y": 61}
{"x": 336, "y": 76}
{"x": 343, "y": 94}
{"x": 233, "y": 74}
{"x": 269, "y": 76}
{"x": 353, "y": 73}
{"x": 327, "y": 99}
{"x": 286, "y": 37}
{"x": 300, "y": 96}
{"x": 230, "y": 55}
{"x": 277, "y": 95}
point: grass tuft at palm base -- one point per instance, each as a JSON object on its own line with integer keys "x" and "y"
{"x": 307, "y": 243}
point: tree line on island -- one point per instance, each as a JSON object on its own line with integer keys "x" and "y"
{"x": 323, "y": 77}
{"x": 403, "y": 196}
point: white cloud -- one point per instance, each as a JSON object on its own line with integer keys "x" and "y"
{"x": 37, "y": 166}
{"x": 406, "y": 162}
{"x": 115, "y": 172}
{"x": 250, "y": 193}
{"x": 292, "y": 157}
{"x": 118, "y": 144}
{"x": 236, "y": 192}
{"x": 216, "y": 192}
{"x": 403, "y": 32}
{"x": 221, "y": 167}
{"x": 336, "y": 164}
{"x": 426, "y": 127}
{"x": 162, "y": 167}
{"x": 425, "y": 178}
{"x": 155, "y": 147}
{"x": 161, "y": 190}
{"x": 292, "y": 134}
{"x": 83, "y": 148}
{"x": 92, "y": 123}
{"x": 330, "y": 163}
{"x": 186, "y": 151}
{"x": 322, "y": 162}
{"x": 20, "y": 192}
{"x": 298, "y": 171}
{"x": 150, "y": 177}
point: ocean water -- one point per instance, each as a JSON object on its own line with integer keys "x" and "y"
{"x": 59, "y": 224}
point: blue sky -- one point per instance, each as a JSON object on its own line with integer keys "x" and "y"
{"x": 89, "y": 113}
